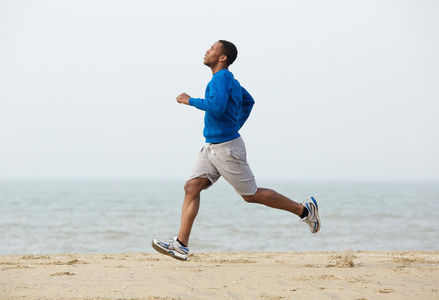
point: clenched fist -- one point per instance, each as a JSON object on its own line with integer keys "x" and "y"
{"x": 183, "y": 98}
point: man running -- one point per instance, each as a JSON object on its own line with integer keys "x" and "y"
{"x": 227, "y": 106}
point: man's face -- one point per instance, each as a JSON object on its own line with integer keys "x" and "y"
{"x": 213, "y": 55}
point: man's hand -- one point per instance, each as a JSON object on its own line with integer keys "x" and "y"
{"x": 183, "y": 98}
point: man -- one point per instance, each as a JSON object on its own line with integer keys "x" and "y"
{"x": 227, "y": 106}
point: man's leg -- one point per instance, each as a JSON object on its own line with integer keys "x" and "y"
{"x": 307, "y": 210}
{"x": 191, "y": 205}
{"x": 231, "y": 163}
{"x": 178, "y": 247}
{"x": 273, "y": 199}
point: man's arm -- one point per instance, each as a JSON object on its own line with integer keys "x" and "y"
{"x": 246, "y": 107}
{"x": 215, "y": 103}
{"x": 216, "y": 96}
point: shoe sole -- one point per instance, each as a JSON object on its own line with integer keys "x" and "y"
{"x": 166, "y": 252}
{"x": 315, "y": 212}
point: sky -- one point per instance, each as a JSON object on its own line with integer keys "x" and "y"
{"x": 344, "y": 90}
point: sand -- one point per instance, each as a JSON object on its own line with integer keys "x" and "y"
{"x": 265, "y": 275}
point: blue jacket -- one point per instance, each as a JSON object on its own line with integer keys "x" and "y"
{"x": 227, "y": 105}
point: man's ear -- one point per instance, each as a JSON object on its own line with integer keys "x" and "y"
{"x": 223, "y": 58}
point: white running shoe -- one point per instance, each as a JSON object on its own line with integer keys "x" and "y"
{"x": 172, "y": 248}
{"x": 312, "y": 219}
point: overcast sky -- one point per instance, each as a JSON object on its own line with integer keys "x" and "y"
{"x": 343, "y": 89}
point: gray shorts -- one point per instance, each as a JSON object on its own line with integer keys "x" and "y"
{"x": 228, "y": 160}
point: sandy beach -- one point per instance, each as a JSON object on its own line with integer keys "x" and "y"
{"x": 265, "y": 275}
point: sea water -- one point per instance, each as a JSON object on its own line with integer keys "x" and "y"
{"x": 56, "y": 216}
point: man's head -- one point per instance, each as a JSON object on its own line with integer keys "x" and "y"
{"x": 222, "y": 53}
{"x": 229, "y": 50}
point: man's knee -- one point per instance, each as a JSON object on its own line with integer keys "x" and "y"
{"x": 190, "y": 187}
{"x": 260, "y": 196}
{"x": 196, "y": 185}
{"x": 250, "y": 198}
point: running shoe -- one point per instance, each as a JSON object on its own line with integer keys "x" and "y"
{"x": 172, "y": 248}
{"x": 312, "y": 219}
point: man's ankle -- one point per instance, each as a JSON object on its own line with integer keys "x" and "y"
{"x": 304, "y": 213}
{"x": 181, "y": 243}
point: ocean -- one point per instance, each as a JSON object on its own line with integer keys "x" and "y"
{"x": 99, "y": 216}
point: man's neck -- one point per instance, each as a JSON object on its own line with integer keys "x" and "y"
{"x": 218, "y": 68}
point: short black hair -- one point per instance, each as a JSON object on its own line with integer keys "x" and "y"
{"x": 229, "y": 50}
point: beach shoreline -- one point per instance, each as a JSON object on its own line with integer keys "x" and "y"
{"x": 241, "y": 275}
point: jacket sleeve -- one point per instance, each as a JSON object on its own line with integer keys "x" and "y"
{"x": 246, "y": 107}
{"x": 217, "y": 93}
